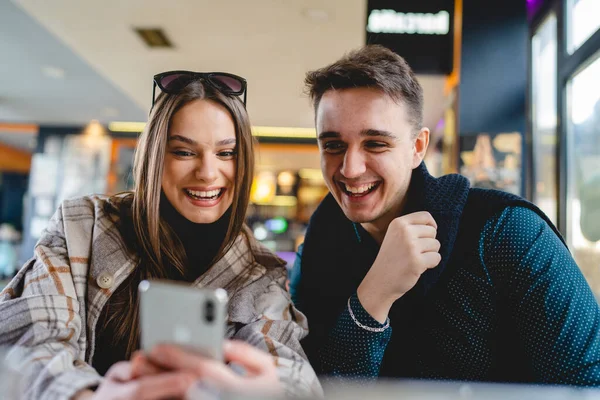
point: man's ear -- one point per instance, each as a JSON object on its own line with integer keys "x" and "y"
{"x": 420, "y": 148}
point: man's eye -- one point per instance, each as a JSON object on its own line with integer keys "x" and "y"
{"x": 375, "y": 144}
{"x": 333, "y": 147}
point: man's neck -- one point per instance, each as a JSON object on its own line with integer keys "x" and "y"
{"x": 378, "y": 228}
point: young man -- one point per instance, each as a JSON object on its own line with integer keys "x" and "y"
{"x": 474, "y": 284}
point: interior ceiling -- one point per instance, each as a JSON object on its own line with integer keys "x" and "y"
{"x": 272, "y": 43}
{"x": 33, "y": 89}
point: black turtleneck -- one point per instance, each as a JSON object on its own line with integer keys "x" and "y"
{"x": 201, "y": 243}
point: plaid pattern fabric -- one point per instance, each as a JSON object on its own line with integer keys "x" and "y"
{"x": 50, "y": 309}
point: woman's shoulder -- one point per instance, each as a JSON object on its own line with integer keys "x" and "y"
{"x": 82, "y": 208}
{"x": 95, "y": 205}
{"x": 94, "y": 211}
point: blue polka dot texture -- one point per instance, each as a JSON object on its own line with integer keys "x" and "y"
{"x": 513, "y": 308}
{"x": 553, "y": 309}
{"x": 362, "y": 350}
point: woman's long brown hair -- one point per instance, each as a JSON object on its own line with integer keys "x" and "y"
{"x": 141, "y": 225}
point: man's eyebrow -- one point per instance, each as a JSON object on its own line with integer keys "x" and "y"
{"x": 328, "y": 135}
{"x": 366, "y": 132}
{"x": 182, "y": 139}
{"x": 377, "y": 132}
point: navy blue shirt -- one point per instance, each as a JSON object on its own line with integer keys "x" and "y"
{"x": 520, "y": 266}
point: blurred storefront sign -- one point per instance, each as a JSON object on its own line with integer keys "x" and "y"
{"x": 420, "y": 31}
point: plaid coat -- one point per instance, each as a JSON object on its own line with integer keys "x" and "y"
{"x": 49, "y": 311}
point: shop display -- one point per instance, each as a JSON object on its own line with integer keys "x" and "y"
{"x": 492, "y": 161}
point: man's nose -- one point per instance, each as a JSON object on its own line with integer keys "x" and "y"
{"x": 354, "y": 164}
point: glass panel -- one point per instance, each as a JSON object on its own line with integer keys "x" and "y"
{"x": 544, "y": 117}
{"x": 583, "y": 21}
{"x": 583, "y": 163}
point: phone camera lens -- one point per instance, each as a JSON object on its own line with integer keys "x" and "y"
{"x": 209, "y": 311}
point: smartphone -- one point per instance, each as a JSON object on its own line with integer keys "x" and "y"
{"x": 172, "y": 312}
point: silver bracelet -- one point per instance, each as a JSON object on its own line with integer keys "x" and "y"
{"x": 367, "y": 328}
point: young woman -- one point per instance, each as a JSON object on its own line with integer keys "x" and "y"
{"x": 71, "y": 313}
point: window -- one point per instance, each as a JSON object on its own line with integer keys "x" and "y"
{"x": 544, "y": 117}
{"x": 583, "y": 166}
{"x": 583, "y": 21}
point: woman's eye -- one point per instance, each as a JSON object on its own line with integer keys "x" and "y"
{"x": 227, "y": 153}
{"x": 182, "y": 153}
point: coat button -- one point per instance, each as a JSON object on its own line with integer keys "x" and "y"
{"x": 105, "y": 280}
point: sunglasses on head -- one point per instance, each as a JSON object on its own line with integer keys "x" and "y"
{"x": 173, "y": 82}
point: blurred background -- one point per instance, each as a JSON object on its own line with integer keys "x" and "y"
{"x": 512, "y": 98}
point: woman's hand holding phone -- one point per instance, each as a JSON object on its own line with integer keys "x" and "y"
{"x": 260, "y": 377}
{"x": 195, "y": 366}
{"x": 140, "y": 379}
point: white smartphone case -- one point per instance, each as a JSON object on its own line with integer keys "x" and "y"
{"x": 172, "y": 312}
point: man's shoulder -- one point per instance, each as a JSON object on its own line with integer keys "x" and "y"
{"x": 492, "y": 197}
{"x": 513, "y": 211}
{"x": 484, "y": 204}
{"x": 517, "y": 221}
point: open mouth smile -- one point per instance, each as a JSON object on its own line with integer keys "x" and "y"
{"x": 200, "y": 195}
{"x": 358, "y": 191}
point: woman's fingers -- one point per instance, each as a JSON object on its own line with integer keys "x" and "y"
{"x": 173, "y": 357}
{"x": 142, "y": 366}
{"x": 120, "y": 371}
{"x": 163, "y": 386}
{"x": 252, "y": 359}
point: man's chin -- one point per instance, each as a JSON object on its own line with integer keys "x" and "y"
{"x": 355, "y": 215}
{"x": 359, "y": 217}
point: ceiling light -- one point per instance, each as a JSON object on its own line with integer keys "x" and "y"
{"x": 284, "y": 132}
{"x": 258, "y": 131}
{"x": 94, "y": 129}
{"x": 124, "y": 126}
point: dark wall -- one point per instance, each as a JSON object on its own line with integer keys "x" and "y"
{"x": 12, "y": 189}
{"x": 493, "y": 81}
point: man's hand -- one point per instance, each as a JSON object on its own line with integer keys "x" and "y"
{"x": 259, "y": 378}
{"x": 408, "y": 249}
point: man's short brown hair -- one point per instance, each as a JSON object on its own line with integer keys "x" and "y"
{"x": 371, "y": 66}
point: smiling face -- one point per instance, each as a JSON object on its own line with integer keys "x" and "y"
{"x": 200, "y": 161}
{"x": 368, "y": 151}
